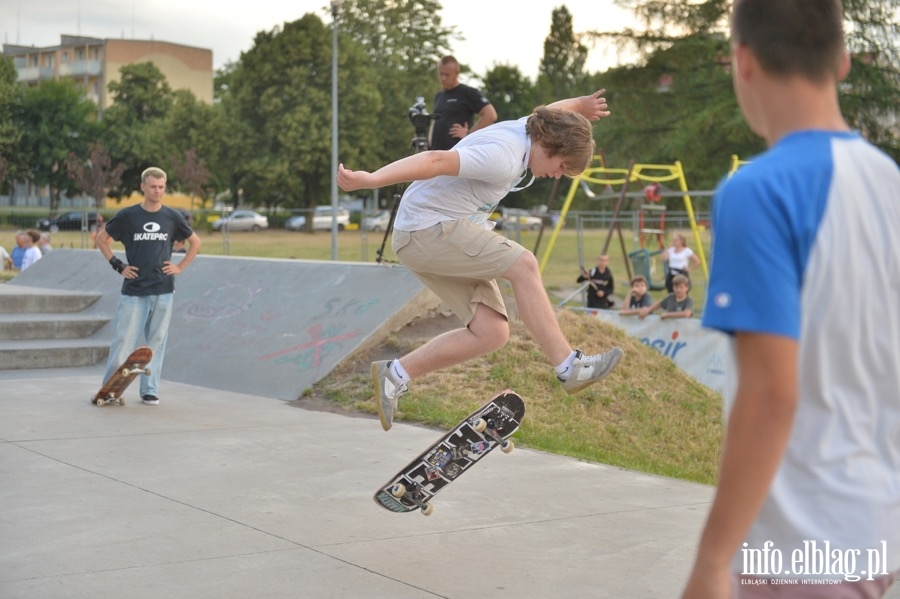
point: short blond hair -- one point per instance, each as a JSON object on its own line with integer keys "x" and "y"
{"x": 153, "y": 171}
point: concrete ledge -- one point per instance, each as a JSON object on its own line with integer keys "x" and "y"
{"x": 264, "y": 327}
{"x": 48, "y": 326}
{"x": 58, "y": 353}
{"x": 18, "y": 299}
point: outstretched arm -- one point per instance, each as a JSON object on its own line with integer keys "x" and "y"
{"x": 593, "y": 107}
{"x": 424, "y": 165}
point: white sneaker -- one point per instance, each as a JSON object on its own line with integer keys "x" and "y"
{"x": 387, "y": 392}
{"x": 587, "y": 370}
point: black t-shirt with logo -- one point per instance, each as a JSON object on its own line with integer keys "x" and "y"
{"x": 148, "y": 238}
{"x": 454, "y": 107}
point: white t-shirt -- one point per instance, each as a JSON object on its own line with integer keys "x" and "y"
{"x": 491, "y": 162}
{"x": 679, "y": 260}
{"x": 31, "y": 256}
{"x": 811, "y": 227}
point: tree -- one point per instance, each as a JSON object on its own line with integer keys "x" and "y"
{"x": 134, "y": 128}
{"x": 10, "y": 126}
{"x": 511, "y": 93}
{"x": 281, "y": 95}
{"x": 95, "y": 175}
{"x": 197, "y": 131}
{"x": 57, "y": 121}
{"x": 561, "y": 73}
{"x": 190, "y": 173}
{"x": 403, "y": 41}
{"x": 869, "y": 95}
{"x": 677, "y": 101}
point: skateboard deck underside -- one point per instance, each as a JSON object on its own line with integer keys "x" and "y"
{"x": 453, "y": 454}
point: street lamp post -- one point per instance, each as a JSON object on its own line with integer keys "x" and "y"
{"x": 335, "y": 9}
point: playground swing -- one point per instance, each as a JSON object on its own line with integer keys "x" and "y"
{"x": 639, "y": 261}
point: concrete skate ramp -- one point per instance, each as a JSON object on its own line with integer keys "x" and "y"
{"x": 258, "y": 326}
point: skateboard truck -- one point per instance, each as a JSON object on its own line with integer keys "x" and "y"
{"x": 489, "y": 429}
{"x": 415, "y": 495}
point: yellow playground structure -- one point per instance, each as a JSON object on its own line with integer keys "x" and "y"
{"x": 650, "y": 175}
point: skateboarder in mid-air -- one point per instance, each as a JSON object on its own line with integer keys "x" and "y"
{"x": 442, "y": 233}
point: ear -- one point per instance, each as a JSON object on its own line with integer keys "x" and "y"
{"x": 743, "y": 61}
{"x": 843, "y": 66}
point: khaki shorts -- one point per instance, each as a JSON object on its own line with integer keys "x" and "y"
{"x": 459, "y": 261}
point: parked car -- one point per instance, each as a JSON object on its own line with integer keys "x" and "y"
{"x": 69, "y": 221}
{"x": 378, "y": 221}
{"x": 242, "y": 220}
{"x": 322, "y": 217}
{"x": 522, "y": 221}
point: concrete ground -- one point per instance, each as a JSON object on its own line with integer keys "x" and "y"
{"x": 220, "y": 494}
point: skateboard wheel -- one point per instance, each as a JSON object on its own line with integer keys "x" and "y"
{"x": 100, "y": 402}
{"x": 125, "y": 372}
{"x": 480, "y": 425}
{"x": 398, "y": 490}
{"x": 428, "y": 509}
{"x": 147, "y": 371}
{"x": 507, "y": 446}
{"x": 121, "y": 401}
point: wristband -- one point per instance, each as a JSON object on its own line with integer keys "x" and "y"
{"x": 117, "y": 264}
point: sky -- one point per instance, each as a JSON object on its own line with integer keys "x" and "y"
{"x": 497, "y": 32}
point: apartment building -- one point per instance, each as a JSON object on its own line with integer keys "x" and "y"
{"x": 93, "y": 63}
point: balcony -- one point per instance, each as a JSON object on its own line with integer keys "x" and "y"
{"x": 28, "y": 74}
{"x": 81, "y": 68}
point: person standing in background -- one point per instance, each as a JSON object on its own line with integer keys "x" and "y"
{"x": 455, "y": 108}
{"x": 148, "y": 230}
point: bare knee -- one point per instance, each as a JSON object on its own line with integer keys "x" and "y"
{"x": 491, "y": 329}
{"x": 525, "y": 267}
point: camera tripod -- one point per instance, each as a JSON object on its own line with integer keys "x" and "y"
{"x": 421, "y": 120}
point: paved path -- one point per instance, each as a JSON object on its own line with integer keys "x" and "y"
{"x": 224, "y": 495}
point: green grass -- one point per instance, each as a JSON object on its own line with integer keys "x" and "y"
{"x": 559, "y": 274}
{"x": 647, "y": 415}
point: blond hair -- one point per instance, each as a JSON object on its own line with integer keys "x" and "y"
{"x": 153, "y": 171}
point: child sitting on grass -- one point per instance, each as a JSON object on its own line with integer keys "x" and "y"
{"x": 677, "y": 304}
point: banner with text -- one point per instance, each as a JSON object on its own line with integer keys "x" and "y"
{"x": 702, "y": 353}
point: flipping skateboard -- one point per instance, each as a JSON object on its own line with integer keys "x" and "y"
{"x": 112, "y": 390}
{"x": 456, "y": 452}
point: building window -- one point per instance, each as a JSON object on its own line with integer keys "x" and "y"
{"x": 65, "y": 57}
{"x": 79, "y": 54}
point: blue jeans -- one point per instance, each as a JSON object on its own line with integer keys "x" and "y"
{"x": 141, "y": 321}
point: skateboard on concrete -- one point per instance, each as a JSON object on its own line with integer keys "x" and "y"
{"x": 112, "y": 390}
{"x": 456, "y": 452}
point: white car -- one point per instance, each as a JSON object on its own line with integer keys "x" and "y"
{"x": 321, "y": 219}
{"x": 521, "y": 221}
{"x": 242, "y": 220}
{"x": 378, "y": 221}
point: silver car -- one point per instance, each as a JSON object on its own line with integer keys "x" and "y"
{"x": 322, "y": 218}
{"x": 378, "y": 221}
{"x": 242, "y": 220}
